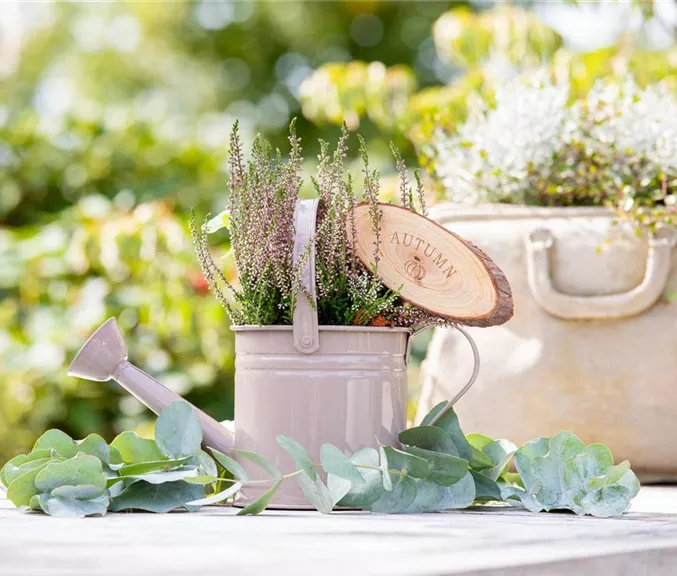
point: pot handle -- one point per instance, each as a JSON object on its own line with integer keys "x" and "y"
{"x": 306, "y": 330}
{"x": 571, "y": 307}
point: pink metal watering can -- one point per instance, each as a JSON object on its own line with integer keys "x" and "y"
{"x": 345, "y": 385}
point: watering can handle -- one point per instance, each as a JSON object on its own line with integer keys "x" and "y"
{"x": 306, "y": 326}
{"x": 476, "y": 369}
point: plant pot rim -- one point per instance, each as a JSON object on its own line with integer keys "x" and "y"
{"x": 322, "y": 328}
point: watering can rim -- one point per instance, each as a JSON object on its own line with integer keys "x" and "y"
{"x": 325, "y": 328}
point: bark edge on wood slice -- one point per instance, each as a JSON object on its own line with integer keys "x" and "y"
{"x": 433, "y": 268}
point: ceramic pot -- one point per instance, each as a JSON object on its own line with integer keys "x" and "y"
{"x": 591, "y": 347}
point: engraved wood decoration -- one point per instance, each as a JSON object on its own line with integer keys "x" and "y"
{"x": 433, "y": 268}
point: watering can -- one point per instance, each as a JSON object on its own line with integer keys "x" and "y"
{"x": 344, "y": 385}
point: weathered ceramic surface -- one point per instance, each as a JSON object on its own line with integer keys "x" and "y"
{"x": 609, "y": 380}
{"x": 213, "y": 542}
{"x": 351, "y": 393}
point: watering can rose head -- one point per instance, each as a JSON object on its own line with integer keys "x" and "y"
{"x": 352, "y": 284}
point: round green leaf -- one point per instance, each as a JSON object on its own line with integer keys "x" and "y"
{"x": 158, "y": 498}
{"x": 450, "y": 424}
{"x": 405, "y": 461}
{"x": 233, "y": 466}
{"x": 299, "y": 454}
{"x": 316, "y": 493}
{"x": 23, "y": 488}
{"x": 133, "y": 449}
{"x": 72, "y": 507}
{"x": 178, "y": 432}
{"x": 57, "y": 440}
{"x": 334, "y": 461}
{"x": 96, "y": 446}
{"x": 259, "y": 505}
{"x": 218, "y": 497}
{"x": 82, "y": 469}
{"x": 147, "y": 467}
{"x": 365, "y": 494}
{"x": 385, "y": 469}
{"x": 429, "y": 438}
{"x": 260, "y": 461}
{"x": 458, "y": 496}
{"x": 445, "y": 470}
{"x": 398, "y": 499}
{"x": 565, "y": 445}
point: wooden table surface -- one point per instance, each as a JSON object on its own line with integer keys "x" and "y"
{"x": 484, "y": 541}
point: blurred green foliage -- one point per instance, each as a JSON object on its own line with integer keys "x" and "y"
{"x": 113, "y": 123}
{"x": 481, "y": 50}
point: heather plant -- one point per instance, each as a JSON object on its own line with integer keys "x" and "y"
{"x": 260, "y": 219}
{"x": 617, "y": 148}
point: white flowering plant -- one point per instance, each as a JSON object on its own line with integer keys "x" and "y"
{"x": 617, "y": 147}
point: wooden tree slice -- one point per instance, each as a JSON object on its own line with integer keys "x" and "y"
{"x": 433, "y": 268}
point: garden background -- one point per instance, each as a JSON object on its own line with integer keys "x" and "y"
{"x": 114, "y": 122}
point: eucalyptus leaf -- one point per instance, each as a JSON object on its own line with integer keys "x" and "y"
{"x": 398, "y": 499}
{"x": 10, "y": 469}
{"x": 82, "y": 469}
{"x": 562, "y": 473}
{"x": 218, "y": 497}
{"x": 429, "y": 438}
{"x": 156, "y": 466}
{"x": 94, "y": 445}
{"x": 57, "y": 440}
{"x": 12, "y": 472}
{"x": 203, "y": 479}
{"x": 445, "y": 470}
{"x": 457, "y": 496}
{"x": 133, "y": 449}
{"x": 115, "y": 457}
{"x": 79, "y": 491}
{"x": 11, "y": 465}
{"x": 207, "y": 464}
{"x": 35, "y": 504}
{"x": 299, "y": 454}
{"x": 607, "y": 501}
{"x": 479, "y": 441}
{"x": 449, "y": 423}
{"x": 334, "y": 461}
{"x": 159, "y": 498}
{"x": 177, "y": 431}
{"x": 486, "y": 489}
{"x": 233, "y": 466}
{"x": 260, "y": 461}
{"x": 316, "y": 493}
{"x": 63, "y": 507}
{"x": 165, "y": 476}
{"x": 430, "y": 416}
{"x": 23, "y": 488}
{"x": 499, "y": 453}
{"x": 259, "y": 505}
{"x": 385, "y": 469}
{"x": 405, "y": 461}
{"x": 427, "y": 495}
{"x": 565, "y": 446}
{"x": 338, "y": 487}
{"x": 365, "y": 494}
{"x": 479, "y": 460}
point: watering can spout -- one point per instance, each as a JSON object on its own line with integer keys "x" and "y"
{"x": 104, "y": 357}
